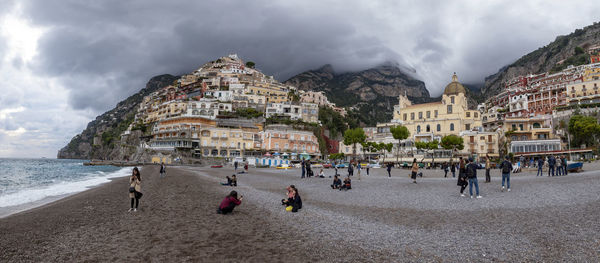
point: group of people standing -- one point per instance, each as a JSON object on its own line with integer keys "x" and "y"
{"x": 557, "y": 166}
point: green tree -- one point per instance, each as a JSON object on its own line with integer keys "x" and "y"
{"x": 386, "y": 147}
{"x": 584, "y": 130}
{"x": 250, "y": 64}
{"x": 352, "y": 137}
{"x": 400, "y": 133}
{"x": 579, "y": 50}
{"x": 452, "y": 142}
{"x": 336, "y": 156}
{"x": 427, "y": 146}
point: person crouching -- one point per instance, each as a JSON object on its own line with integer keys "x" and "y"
{"x": 229, "y": 203}
{"x": 337, "y": 182}
{"x": 347, "y": 185}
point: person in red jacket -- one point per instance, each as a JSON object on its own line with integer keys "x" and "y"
{"x": 229, "y": 203}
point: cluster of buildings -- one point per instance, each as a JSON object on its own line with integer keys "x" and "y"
{"x": 198, "y": 113}
{"x": 431, "y": 121}
{"x": 526, "y": 119}
{"x": 531, "y": 112}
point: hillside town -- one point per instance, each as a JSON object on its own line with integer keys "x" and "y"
{"x": 228, "y": 109}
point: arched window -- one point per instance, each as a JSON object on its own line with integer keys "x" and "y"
{"x": 418, "y": 128}
{"x": 524, "y": 138}
{"x": 428, "y": 129}
{"x": 536, "y": 125}
{"x": 439, "y": 127}
{"x": 451, "y": 126}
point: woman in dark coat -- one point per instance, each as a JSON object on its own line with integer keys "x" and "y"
{"x": 462, "y": 176}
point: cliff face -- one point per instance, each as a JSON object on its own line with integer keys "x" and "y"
{"x": 100, "y": 139}
{"x": 546, "y": 59}
{"x": 372, "y": 92}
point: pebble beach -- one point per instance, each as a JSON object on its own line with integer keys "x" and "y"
{"x": 380, "y": 220}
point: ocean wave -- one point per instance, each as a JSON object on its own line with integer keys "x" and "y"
{"x": 61, "y": 188}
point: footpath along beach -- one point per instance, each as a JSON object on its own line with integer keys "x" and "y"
{"x": 380, "y": 219}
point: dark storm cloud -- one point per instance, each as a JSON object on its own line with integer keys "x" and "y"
{"x": 104, "y": 50}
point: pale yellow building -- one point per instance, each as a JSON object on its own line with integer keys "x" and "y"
{"x": 583, "y": 92}
{"x": 165, "y": 110}
{"x": 431, "y": 121}
{"x": 273, "y": 95}
{"x": 480, "y": 143}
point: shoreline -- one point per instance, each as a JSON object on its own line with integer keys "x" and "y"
{"x": 15, "y": 209}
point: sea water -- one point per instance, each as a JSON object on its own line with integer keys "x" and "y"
{"x": 26, "y": 181}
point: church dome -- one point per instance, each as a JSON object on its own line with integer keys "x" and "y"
{"x": 454, "y": 87}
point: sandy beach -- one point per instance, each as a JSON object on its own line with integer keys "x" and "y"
{"x": 380, "y": 219}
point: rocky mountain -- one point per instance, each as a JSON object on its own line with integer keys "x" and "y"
{"x": 100, "y": 139}
{"x": 372, "y": 93}
{"x": 563, "y": 51}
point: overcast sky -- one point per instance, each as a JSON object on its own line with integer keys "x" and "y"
{"x": 63, "y": 62}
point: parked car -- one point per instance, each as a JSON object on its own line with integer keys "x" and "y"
{"x": 327, "y": 165}
{"x": 317, "y": 165}
{"x": 342, "y": 165}
{"x": 374, "y": 165}
{"x": 283, "y": 166}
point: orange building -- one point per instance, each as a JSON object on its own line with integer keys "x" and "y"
{"x": 282, "y": 138}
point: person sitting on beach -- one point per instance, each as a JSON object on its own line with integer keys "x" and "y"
{"x": 135, "y": 189}
{"x": 232, "y": 181}
{"x": 229, "y": 203}
{"x": 347, "y": 185}
{"x": 321, "y": 174}
{"x": 293, "y": 200}
{"x": 337, "y": 182}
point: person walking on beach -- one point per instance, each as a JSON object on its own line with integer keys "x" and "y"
{"x": 540, "y": 164}
{"x": 135, "y": 189}
{"x": 414, "y": 170}
{"x": 350, "y": 169}
{"x": 246, "y": 167}
{"x": 463, "y": 183}
{"x": 551, "y": 165}
{"x": 565, "y": 164}
{"x": 462, "y": 167}
{"x": 558, "y": 166}
{"x": 506, "y": 167}
{"x": 229, "y": 203}
{"x": 368, "y": 165}
{"x": 471, "y": 171}
{"x": 445, "y": 167}
{"x": 235, "y": 165}
{"x": 453, "y": 168}
{"x": 389, "y": 169}
{"x": 303, "y": 166}
{"x": 163, "y": 170}
{"x": 487, "y": 169}
{"x": 335, "y": 167}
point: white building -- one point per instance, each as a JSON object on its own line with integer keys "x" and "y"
{"x": 207, "y": 108}
{"x": 284, "y": 109}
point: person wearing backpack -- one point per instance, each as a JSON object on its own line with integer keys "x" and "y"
{"x": 506, "y": 167}
{"x": 540, "y": 165}
{"x": 471, "y": 171}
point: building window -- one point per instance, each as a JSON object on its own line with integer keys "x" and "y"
{"x": 404, "y": 116}
{"x": 451, "y": 126}
{"x": 520, "y": 127}
{"x": 468, "y": 114}
{"x": 428, "y": 129}
{"x": 420, "y": 115}
{"x": 412, "y": 116}
{"x": 435, "y": 113}
{"x": 428, "y": 114}
{"x": 418, "y": 128}
{"x": 514, "y": 127}
{"x": 439, "y": 127}
{"x": 476, "y": 115}
{"x": 452, "y": 99}
{"x": 449, "y": 109}
{"x": 467, "y": 127}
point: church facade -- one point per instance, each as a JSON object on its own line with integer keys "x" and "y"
{"x": 432, "y": 121}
